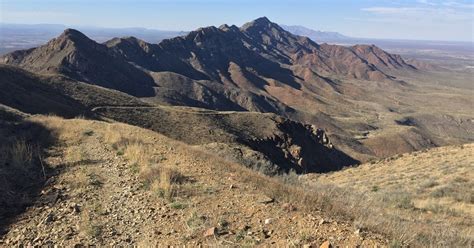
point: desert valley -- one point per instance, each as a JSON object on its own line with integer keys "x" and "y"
{"x": 235, "y": 136}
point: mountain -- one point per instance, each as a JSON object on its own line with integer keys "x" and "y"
{"x": 316, "y": 35}
{"x": 54, "y": 94}
{"x": 266, "y": 142}
{"x": 130, "y": 143}
{"x": 227, "y": 68}
{"x": 75, "y": 55}
{"x": 24, "y": 36}
{"x": 259, "y": 67}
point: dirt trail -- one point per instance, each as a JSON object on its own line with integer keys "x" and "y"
{"x": 174, "y": 109}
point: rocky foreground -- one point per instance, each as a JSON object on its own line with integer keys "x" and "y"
{"x": 97, "y": 193}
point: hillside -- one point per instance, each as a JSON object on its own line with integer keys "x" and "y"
{"x": 115, "y": 184}
{"x": 75, "y": 55}
{"x": 266, "y": 142}
{"x": 55, "y": 94}
{"x": 433, "y": 187}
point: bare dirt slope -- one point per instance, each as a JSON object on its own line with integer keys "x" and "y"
{"x": 114, "y": 184}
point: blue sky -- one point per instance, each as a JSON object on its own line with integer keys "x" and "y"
{"x": 403, "y": 19}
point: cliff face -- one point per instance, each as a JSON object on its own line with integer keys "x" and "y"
{"x": 301, "y": 148}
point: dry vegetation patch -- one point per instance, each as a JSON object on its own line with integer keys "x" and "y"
{"x": 197, "y": 191}
{"x": 426, "y": 197}
{"x": 22, "y": 169}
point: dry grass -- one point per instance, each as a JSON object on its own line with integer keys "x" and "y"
{"x": 365, "y": 210}
{"x": 22, "y": 170}
{"x": 90, "y": 227}
{"x": 380, "y": 208}
{"x": 434, "y": 188}
{"x": 21, "y": 153}
{"x": 384, "y": 214}
{"x": 163, "y": 179}
{"x": 160, "y": 178}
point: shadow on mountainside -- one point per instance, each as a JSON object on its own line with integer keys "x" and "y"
{"x": 302, "y": 149}
{"x": 22, "y": 172}
{"x": 28, "y": 93}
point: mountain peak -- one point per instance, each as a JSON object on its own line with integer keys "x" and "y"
{"x": 259, "y": 23}
{"x": 73, "y": 34}
{"x": 262, "y": 19}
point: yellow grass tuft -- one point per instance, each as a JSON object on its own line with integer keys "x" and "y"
{"x": 21, "y": 153}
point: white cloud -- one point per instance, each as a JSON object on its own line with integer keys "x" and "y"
{"x": 458, "y": 5}
{"x": 426, "y": 12}
{"x": 35, "y": 14}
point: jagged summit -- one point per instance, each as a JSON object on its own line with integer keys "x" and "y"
{"x": 73, "y": 33}
{"x": 225, "y": 27}
{"x": 261, "y": 24}
{"x": 257, "y": 67}
{"x": 74, "y": 36}
{"x": 262, "y": 21}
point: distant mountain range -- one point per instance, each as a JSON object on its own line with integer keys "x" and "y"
{"x": 21, "y": 36}
{"x": 258, "y": 67}
{"x": 259, "y": 54}
{"x": 316, "y": 35}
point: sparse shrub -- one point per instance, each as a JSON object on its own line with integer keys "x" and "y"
{"x": 88, "y": 133}
{"x": 195, "y": 221}
{"x": 113, "y": 135}
{"x": 89, "y": 226}
{"x": 163, "y": 180}
{"x": 240, "y": 235}
{"x": 395, "y": 244}
{"x": 94, "y": 231}
{"x": 442, "y": 192}
{"x": 177, "y": 205}
{"x": 429, "y": 184}
{"x": 21, "y": 154}
{"x": 94, "y": 180}
{"x": 291, "y": 178}
{"x": 375, "y": 188}
{"x": 437, "y": 208}
{"x": 135, "y": 169}
{"x": 305, "y": 236}
{"x": 136, "y": 154}
{"x": 74, "y": 154}
{"x": 405, "y": 202}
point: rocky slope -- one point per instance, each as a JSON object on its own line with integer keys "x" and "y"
{"x": 75, "y": 55}
{"x": 236, "y": 63}
{"x": 97, "y": 195}
{"x": 276, "y": 144}
{"x": 265, "y": 142}
{"x": 38, "y": 94}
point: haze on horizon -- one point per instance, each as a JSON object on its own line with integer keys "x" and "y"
{"x": 450, "y": 20}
